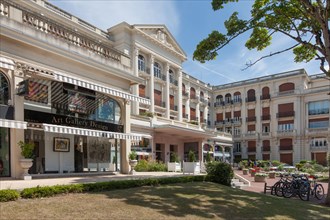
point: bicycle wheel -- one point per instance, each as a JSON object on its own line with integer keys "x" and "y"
{"x": 319, "y": 191}
{"x": 304, "y": 191}
{"x": 287, "y": 190}
{"x": 279, "y": 188}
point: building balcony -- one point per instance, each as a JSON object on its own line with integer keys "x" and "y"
{"x": 249, "y": 119}
{"x": 160, "y": 103}
{"x": 265, "y": 134}
{"x": 203, "y": 100}
{"x": 314, "y": 148}
{"x": 265, "y": 117}
{"x": 194, "y": 98}
{"x": 250, "y": 99}
{"x": 285, "y": 93}
{"x": 219, "y": 104}
{"x": 193, "y": 118}
{"x": 237, "y": 121}
{"x": 290, "y": 132}
{"x": 144, "y": 72}
{"x": 185, "y": 95}
{"x": 251, "y": 149}
{"x": 286, "y": 148}
{"x": 184, "y": 116}
{"x": 219, "y": 123}
{"x": 174, "y": 82}
{"x": 265, "y": 148}
{"x": 237, "y": 101}
{"x": 237, "y": 135}
{"x": 228, "y": 102}
{"x": 159, "y": 77}
{"x": 318, "y": 131}
{"x": 265, "y": 97}
{"x": 285, "y": 114}
{"x": 251, "y": 135}
{"x": 173, "y": 107}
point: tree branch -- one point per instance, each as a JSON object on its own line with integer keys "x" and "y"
{"x": 248, "y": 65}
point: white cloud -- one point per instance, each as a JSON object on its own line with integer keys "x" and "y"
{"x": 107, "y": 13}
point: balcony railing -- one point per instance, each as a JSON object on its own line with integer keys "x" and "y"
{"x": 250, "y": 134}
{"x": 265, "y": 97}
{"x": 248, "y": 119}
{"x": 289, "y": 147}
{"x": 237, "y": 121}
{"x": 265, "y": 117}
{"x": 250, "y": 99}
{"x": 203, "y": 100}
{"x": 174, "y": 82}
{"x": 228, "y": 102}
{"x": 251, "y": 149}
{"x": 160, "y": 103}
{"x": 285, "y": 114}
{"x": 184, "y": 115}
{"x": 174, "y": 107}
{"x": 219, "y": 122}
{"x": 265, "y": 148}
{"x": 160, "y": 76}
{"x": 185, "y": 94}
{"x": 193, "y": 118}
{"x": 237, "y": 101}
{"x": 318, "y": 148}
{"x": 219, "y": 104}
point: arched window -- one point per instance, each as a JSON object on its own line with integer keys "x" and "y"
{"x": 201, "y": 94}
{"x": 192, "y": 93}
{"x": 183, "y": 89}
{"x": 4, "y": 89}
{"x": 265, "y": 93}
{"x": 219, "y": 99}
{"x": 171, "y": 75}
{"x": 286, "y": 87}
{"x": 237, "y": 97}
{"x": 157, "y": 70}
{"x": 251, "y": 95}
{"x": 228, "y": 98}
{"x": 141, "y": 63}
{"x": 108, "y": 110}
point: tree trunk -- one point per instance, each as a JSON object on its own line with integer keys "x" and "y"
{"x": 327, "y": 200}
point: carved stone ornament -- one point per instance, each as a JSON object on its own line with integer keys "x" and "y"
{"x": 20, "y": 69}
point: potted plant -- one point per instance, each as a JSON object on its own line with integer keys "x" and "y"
{"x": 132, "y": 160}
{"x": 27, "y": 151}
{"x": 191, "y": 166}
{"x": 260, "y": 177}
{"x": 245, "y": 171}
{"x": 174, "y": 165}
{"x": 271, "y": 174}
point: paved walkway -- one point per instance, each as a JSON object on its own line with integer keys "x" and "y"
{"x": 259, "y": 187}
{"x": 51, "y": 181}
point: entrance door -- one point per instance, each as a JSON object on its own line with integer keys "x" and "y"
{"x": 80, "y": 153}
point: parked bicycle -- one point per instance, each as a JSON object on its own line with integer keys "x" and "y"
{"x": 316, "y": 189}
{"x": 298, "y": 186}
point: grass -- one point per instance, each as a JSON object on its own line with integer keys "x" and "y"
{"x": 198, "y": 200}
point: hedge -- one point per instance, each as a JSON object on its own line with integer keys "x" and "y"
{"x": 48, "y": 191}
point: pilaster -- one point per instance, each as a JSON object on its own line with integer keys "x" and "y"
{"x": 152, "y": 85}
{"x": 167, "y": 91}
{"x": 180, "y": 95}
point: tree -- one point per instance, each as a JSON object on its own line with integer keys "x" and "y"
{"x": 303, "y": 21}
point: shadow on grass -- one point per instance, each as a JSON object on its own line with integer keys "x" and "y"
{"x": 210, "y": 200}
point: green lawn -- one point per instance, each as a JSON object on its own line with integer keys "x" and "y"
{"x": 196, "y": 200}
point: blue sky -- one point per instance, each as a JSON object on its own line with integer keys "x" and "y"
{"x": 190, "y": 21}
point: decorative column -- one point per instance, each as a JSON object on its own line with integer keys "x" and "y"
{"x": 167, "y": 92}
{"x": 125, "y": 144}
{"x": 180, "y": 95}
{"x": 151, "y": 86}
{"x": 188, "y": 104}
{"x": 135, "y": 88}
{"x": 198, "y": 114}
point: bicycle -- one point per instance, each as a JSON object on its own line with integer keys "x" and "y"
{"x": 316, "y": 189}
{"x": 298, "y": 186}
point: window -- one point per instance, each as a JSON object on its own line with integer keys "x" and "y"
{"x": 237, "y": 131}
{"x": 265, "y": 128}
{"x": 237, "y": 97}
{"x": 319, "y": 142}
{"x": 285, "y": 127}
{"x": 319, "y": 107}
{"x": 141, "y": 63}
{"x": 157, "y": 70}
{"x": 4, "y": 89}
{"x": 319, "y": 124}
{"x": 237, "y": 147}
{"x": 219, "y": 99}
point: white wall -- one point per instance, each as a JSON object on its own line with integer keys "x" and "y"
{"x": 58, "y": 161}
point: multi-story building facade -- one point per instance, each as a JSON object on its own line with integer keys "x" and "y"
{"x": 87, "y": 97}
{"x": 278, "y": 117}
{"x": 78, "y": 93}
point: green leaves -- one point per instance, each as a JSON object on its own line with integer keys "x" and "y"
{"x": 206, "y": 49}
{"x": 299, "y": 20}
{"x": 259, "y": 39}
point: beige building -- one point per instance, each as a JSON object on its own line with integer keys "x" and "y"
{"x": 84, "y": 96}
{"x": 278, "y": 117}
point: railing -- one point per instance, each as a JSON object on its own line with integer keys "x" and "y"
{"x": 265, "y": 97}
{"x": 265, "y": 117}
{"x": 203, "y": 100}
{"x": 250, "y": 134}
{"x": 289, "y": 147}
{"x": 219, "y": 122}
{"x": 251, "y": 149}
{"x": 174, "y": 107}
{"x": 160, "y": 103}
{"x": 237, "y": 101}
{"x": 237, "y": 121}
{"x": 185, "y": 94}
{"x": 250, "y": 99}
{"x": 288, "y": 92}
{"x": 285, "y": 114}
{"x": 193, "y": 118}
{"x": 160, "y": 76}
{"x": 318, "y": 148}
{"x": 228, "y": 102}
{"x": 219, "y": 104}
{"x": 265, "y": 148}
{"x": 174, "y": 82}
{"x": 248, "y": 119}
{"x": 52, "y": 28}
{"x": 319, "y": 111}
{"x": 286, "y": 132}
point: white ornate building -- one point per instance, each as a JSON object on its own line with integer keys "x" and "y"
{"x": 85, "y": 97}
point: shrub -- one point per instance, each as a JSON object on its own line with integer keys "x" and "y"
{"x": 148, "y": 166}
{"x": 276, "y": 163}
{"x": 132, "y": 155}
{"x": 47, "y": 191}
{"x": 8, "y": 195}
{"x": 174, "y": 157}
{"x": 318, "y": 168}
{"x": 219, "y": 172}
{"x": 191, "y": 156}
{"x": 208, "y": 157}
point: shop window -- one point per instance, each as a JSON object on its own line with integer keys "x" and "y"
{"x": 4, "y": 89}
